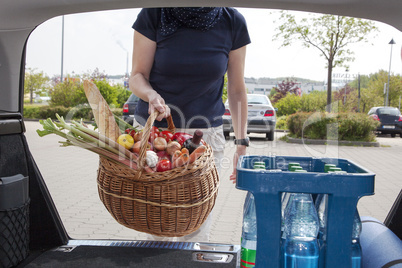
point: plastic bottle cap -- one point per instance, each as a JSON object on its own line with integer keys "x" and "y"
{"x": 259, "y": 167}
{"x": 333, "y": 169}
{"x": 294, "y": 168}
{"x": 328, "y": 166}
{"x": 293, "y": 164}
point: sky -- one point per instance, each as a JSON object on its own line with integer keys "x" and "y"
{"x": 104, "y": 40}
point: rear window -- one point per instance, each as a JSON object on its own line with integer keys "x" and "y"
{"x": 133, "y": 98}
{"x": 389, "y": 111}
{"x": 257, "y": 100}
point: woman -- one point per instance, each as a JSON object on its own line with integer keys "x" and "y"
{"x": 180, "y": 58}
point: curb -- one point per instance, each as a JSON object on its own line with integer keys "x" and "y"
{"x": 333, "y": 142}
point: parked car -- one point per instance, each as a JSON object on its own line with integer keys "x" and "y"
{"x": 129, "y": 108}
{"x": 390, "y": 118}
{"x": 261, "y": 116}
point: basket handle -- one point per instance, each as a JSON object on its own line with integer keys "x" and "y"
{"x": 145, "y": 136}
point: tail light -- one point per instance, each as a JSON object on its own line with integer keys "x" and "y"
{"x": 269, "y": 113}
{"x": 375, "y": 117}
{"x": 227, "y": 112}
{"x": 400, "y": 118}
{"x": 125, "y": 108}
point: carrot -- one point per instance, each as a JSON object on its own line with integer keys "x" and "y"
{"x": 181, "y": 161}
{"x": 184, "y": 150}
{"x": 176, "y": 155}
{"x": 197, "y": 153}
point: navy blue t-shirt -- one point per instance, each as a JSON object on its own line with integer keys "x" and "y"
{"x": 189, "y": 67}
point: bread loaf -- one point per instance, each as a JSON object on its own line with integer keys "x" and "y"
{"x": 104, "y": 117}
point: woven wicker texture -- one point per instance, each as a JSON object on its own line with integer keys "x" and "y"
{"x": 173, "y": 203}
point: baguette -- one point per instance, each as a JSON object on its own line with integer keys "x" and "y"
{"x": 104, "y": 117}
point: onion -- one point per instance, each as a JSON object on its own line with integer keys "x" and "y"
{"x": 160, "y": 144}
{"x": 172, "y": 147}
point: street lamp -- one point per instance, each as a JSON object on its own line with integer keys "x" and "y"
{"x": 62, "y": 48}
{"x": 392, "y": 42}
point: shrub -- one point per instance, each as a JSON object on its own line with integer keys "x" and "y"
{"x": 70, "y": 93}
{"x": 357, "y": 126}
{"x": 79, "y": 112}
{"x": 281, "y": 122}
{"x": 289, "y": 104}
{"x": 122, "y": 95}
{"x": 344, "y": 126}
{"x": 314, "y": 101}
{"x": 108, "y": 92}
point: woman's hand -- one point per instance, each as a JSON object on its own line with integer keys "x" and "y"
{"x": 157, "y": 103}
{"x": 240, "y": 150}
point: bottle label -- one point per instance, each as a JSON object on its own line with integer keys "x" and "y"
{"x": 247, "y": 258}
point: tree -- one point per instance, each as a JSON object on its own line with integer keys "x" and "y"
{"x": 225, "y": 89}
{"x": 376, "y": 85}
{"x": 330, "y": 34}
{"x": 283, "y": 88}
{"x": 35, "y": 82}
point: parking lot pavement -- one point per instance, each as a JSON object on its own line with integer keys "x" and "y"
{"x": 70, "y": 175}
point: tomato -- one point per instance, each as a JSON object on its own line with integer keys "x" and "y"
{"x": 163, "y": 165}
{"x": 130, "y": 132}
{"x": 155, "y": 129}
{"x": 167, "y": 135}
{"x": 152, "y": 136}
{"x": 162, "y": 155}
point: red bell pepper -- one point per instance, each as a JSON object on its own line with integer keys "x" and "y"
{"x": 181, "y": 137}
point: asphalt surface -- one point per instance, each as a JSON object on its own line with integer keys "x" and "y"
{"x": 70, "y": 175}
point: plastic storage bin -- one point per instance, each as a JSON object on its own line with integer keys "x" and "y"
{"x": 267, "y": 186}
{"x": 14, "y": 220}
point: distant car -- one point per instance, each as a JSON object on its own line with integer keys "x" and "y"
{"x": 390, "y": 118}
{"x": 129, "y": 108}
{"x": 42, "y": 99}
{"x": 261, "y": 116}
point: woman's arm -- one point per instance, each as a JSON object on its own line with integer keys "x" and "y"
{"x": 143, "y": 58}
{"x": 237, "y": 96}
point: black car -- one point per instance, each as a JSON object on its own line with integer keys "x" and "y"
{"x": 390, "y": 118}
{"x": 129, "y": 108}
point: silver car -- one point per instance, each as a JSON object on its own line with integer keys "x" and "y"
{"x": 261, "y": 116}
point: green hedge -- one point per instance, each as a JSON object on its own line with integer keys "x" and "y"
{"x": 78, "y": 112}
{"x": 281, "y": 122}
{"x": 321, "y": 125}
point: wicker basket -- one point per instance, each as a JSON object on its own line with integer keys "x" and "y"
{"x": 173, "y": 203}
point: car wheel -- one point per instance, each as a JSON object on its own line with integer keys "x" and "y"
{"x": 226, "y": 134}
{"x": 270, "y": 135}
{"x": 393, "y": 135}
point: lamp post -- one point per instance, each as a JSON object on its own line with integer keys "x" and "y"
{"x": 62, "y": 48}
{"x": 392, "y": 42}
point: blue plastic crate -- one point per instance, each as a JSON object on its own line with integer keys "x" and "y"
{"x": 267, "y": 186}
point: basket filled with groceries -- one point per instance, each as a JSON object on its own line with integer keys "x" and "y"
{"x": 152, "y": 180}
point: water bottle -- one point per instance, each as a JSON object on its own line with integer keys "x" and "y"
{"x": 286, "y": 199}
{"x": 356, "y": 248}
{"x": 249, "y": 230}
{"x": 301, "y": 228}
{"x": 249, "y": 233}
{"x": 321, "y": 207}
